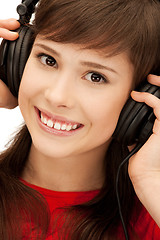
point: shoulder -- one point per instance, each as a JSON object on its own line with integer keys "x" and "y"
{"x": 145, "y": 227}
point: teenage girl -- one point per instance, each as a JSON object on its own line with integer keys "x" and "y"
{"x": 58, "y": 176}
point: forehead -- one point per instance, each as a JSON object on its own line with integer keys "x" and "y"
{"x": 106, "y": 52}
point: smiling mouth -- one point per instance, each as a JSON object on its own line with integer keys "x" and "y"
{"x": 57, "y": 124}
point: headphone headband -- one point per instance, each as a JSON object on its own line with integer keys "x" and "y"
{"x": 25, "y": 10}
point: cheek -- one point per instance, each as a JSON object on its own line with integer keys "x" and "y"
{"x": 30, "y": 83}
{"x": 27, "y": 88}
{"x": 23, "y": 92}
{"x": 105, "y": 112}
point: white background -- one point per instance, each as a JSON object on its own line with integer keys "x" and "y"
{"x": 9, "y": 119}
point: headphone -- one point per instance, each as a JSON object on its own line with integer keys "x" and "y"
{"x": 136, "y": 119}
{"x": 14, "y": 54}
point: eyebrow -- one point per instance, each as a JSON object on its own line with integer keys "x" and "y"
{"x": 51, "y": 50}
{"x": 98, "y": 66}
{"x": 83, "y": 63}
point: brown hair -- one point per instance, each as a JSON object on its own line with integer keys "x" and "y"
{"x": 124, "y": 25}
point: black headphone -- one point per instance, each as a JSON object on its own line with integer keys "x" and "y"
{"x": 136, "y": 119}
{"x": 14, "y": 54}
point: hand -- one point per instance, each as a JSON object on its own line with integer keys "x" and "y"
{"x": 5, "y": 29}
{"x": 144, "y": 166}
{"x": 7, "y": 100}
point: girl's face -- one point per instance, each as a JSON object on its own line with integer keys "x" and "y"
{"x": 71, "y": 97}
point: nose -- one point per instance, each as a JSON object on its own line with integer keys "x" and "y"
{"x": 60, "y": 93}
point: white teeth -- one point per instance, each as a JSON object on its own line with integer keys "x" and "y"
{"x": 45, "y": 120}
{"x": 63, "y": 127}
{"x": 50, "y": 123}
{"x": 74, "y": 126}
{"x": 42, "y": 118}
{"x": 69, "y": 127}
{"x": 57, "y": 126}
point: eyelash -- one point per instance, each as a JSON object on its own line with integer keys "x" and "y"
{"x": 93, "y": 74}
{"x": 40, "y": 55}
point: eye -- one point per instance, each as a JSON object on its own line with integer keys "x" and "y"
{"x": 47, "y": 60}
{"x": 95, "y": 77}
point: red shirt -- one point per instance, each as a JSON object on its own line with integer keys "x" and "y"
{"x": 145, "y": 228}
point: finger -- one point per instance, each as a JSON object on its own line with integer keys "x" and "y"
{"x": 151, "y": 100}
{"x": 6, "y": 34}
{"x": 10, "y": 24}
{"x": 156, "y": 127}
{"x": 153, "y": 79}
{"x": 6, "y": 26}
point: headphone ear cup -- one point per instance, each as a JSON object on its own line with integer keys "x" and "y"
{"x": 17, "y": 55}
{"x": 136, "y": 119}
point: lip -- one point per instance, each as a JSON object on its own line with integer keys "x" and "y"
{"x": 57, "y": 119}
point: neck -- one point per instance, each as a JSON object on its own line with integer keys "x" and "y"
{"x": 84, "y": 172}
